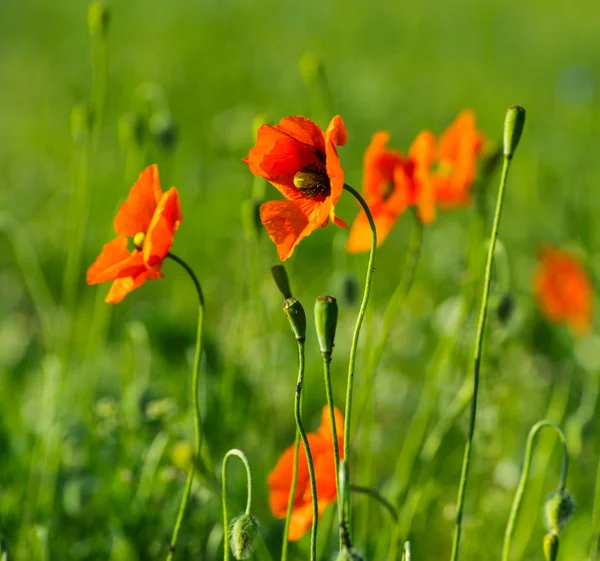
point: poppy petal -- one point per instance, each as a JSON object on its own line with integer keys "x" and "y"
{"x": 115, "y": 261}
{"x": 122, "y": 287}
{"x": 303, "y": 130}
{"x": 163, "y": 226}
{"x": 135, "y": 214}
{"x": 335, "y": 135}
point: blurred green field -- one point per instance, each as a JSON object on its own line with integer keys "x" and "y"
{"x": 94, "y": 399}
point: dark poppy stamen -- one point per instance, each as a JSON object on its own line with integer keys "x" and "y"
{"x": 313, "y": 181}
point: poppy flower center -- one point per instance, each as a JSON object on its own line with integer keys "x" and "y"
{"x": 138, "y": 240}
{"x": 387, "y": 190}
{"x": 445, "y": 168}
{"x": 313, "y": 181}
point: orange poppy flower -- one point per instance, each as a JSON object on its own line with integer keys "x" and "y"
{"x": 280, "y": 479}
{"x": 564, "y": 290}
{"x": 435, "y": 172}
{"x": 151, "y": 218}
{"x": 302, "y": 163}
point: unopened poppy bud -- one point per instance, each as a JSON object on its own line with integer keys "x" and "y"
{"x": 296, "y": 316}
{"x": 251, "y": 217}
{"x": 326, "y": 314}
{"x": 131, "y": 131}
{"x": 513, "y": 128}
{"x": 310, "y": 67}
{"x": 347, "y": 554}
{"x": 558, "y": 509}
{"x": 243, "y": 535}
{"x": 138, "y": 240}
{"x": 282, "y": 280}
{"x": 81, "y": 123}
{"x": 163, "y": 130}
{"x": 98, "y": 18}
{"x": 550, "y": 545}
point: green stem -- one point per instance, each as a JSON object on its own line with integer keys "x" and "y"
{"x": 352, "y": 361}
{"x": 239, "y": 454}
{"x": 477, "y": 362}
{"x": 290, "y": 507}
{"x": 196, "y": 406}
{"x": 336, "y": 448}
{"x": 309, "y": 460}
{"x": 387, "y": 505}
{"x": 596, "y": 518}
{"x": 516, "y": 506}
{"x": 391, "y": 311}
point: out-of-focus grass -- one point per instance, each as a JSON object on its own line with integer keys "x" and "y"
{"x": 86, "y": 434}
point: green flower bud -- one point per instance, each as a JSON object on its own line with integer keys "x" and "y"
{"x": 558, "y": 509}
{"x": 251, "y": 217}
{"x": 296, "y": 316}
{"x": 82, "y": 119}
{"x": 326, "y": 314}
{"x": 513, "y": 128}
{"x": 163, "y": 130}
{"x": 98, "y": 18}
{"x": 550, "y": 545}
{"x": 243, "y": 535}
{"x": 281, "y": 280}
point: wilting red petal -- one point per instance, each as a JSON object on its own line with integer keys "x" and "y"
{"x": 115, "y": 261}
{"x": 135, "y": 214}
{"x": 165, "y": 222}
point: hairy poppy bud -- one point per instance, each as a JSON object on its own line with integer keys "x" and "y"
{"x": 131, "y": 131}
{"x": 550, "y": 545}
{"x": 82, "y": 119}
{"x": 558, "y": 509}
{"x": 163, "y": 130}
{"x": 326, "y": 314}
{"x": 243, "y": 535}
{"x": 98, "y": 18}
{"x": 251, "y": 217}
{"x": 281, "y": 280}
{"x": 513, "y": 128}
{"x": 296, "y": 316}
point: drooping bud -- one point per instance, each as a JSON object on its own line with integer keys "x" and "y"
{"x": 98, "y": 19}
{"x": 550, "y": 545}
{"x": 251, "y": 217}
{"x": 163, "y": 130}
{"x": 513, "y": 128}
{"x": 82, "y": 119}
{"x": 296, "y": 316}
{"x": 558, "y": 509}
{"x": 282, "y": 280}
{"x": 243, "y": 535}
{"x": 326, "y": 315}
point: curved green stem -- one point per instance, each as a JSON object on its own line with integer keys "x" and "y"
{"x": 290, "y": 507}
{"x": 460, "y": 503}
{"x": 516, "y": 506}
{"x": 391, "y": 311}
{"x": 596, "y": 519}
{"x": 387, "y": 505}
{"x": 239, "y": 454}
{"x": 309, "y": 460}
{"x": 336, "y": 448}
{"x": 196, "y": 406}
{"x": 352, "y": 361}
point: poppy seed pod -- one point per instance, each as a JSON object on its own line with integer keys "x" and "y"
{"x": 326, "y": 315}
{"x": 513, "y": 128}
{"x": 98, "y": 19}
{"x": 558, "y": 509}
{"x": 296, "y": 316}
{"x": 281, "y": 280}
{"x": 550, "y": 545}
{"x": 243, "y": 535}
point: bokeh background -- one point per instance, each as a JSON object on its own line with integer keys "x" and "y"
{"x": 95, "y": 400}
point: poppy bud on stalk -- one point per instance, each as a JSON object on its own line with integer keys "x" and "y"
{"x": 98, "y": 19}
{"x": 243, "y": 535}
{"x": 326, "y": 314}
{"x": 550, "y": 545}
{"x": 281, "y": 280}
{"x": 296, "y": 316}
{"x": 558, "y": 509}
{"x": 513, "y": 128}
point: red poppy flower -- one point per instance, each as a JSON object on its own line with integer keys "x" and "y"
{"x": 434, "y": 173}
{"x": 564, "y": 290}
{"x": 302, "y": 163}
{"x": 280, "y": 479}
{"x": 151, "y": 218}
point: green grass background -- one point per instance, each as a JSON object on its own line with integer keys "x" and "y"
{"x": 93, "y": 398}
